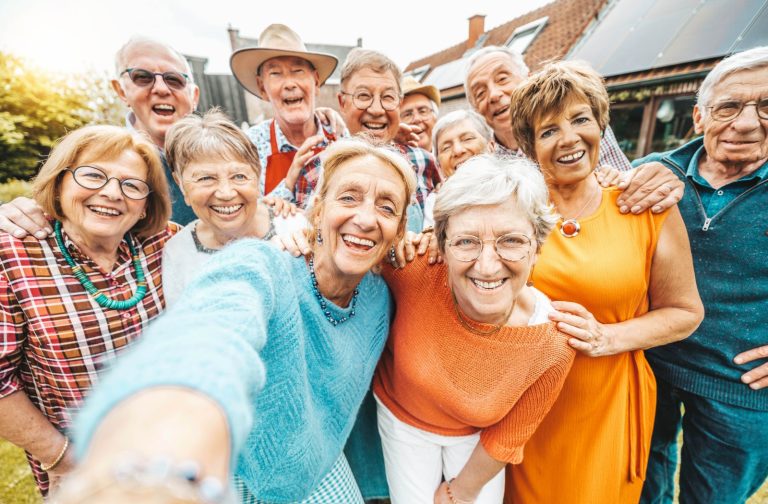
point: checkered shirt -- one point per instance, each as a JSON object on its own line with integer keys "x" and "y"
{"x": 309, "y": 174}
{"x": 428, "y": 176}
{"x": 54, "y": 339}
{"x": 610, "y": 152}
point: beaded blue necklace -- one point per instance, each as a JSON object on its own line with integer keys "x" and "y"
{"x": 323, "y": 304}
{"x": 99, "y": 296}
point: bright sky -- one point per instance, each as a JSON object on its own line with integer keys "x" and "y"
{"x": 84, "y": 34}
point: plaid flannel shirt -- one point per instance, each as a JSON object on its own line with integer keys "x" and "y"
{"x": 54, "y": 339}
{"x": 610, "y": 152}
{"x": 428, "y": 176}
{"x": 309, "y": 174}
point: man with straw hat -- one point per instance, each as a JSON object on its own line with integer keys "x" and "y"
{"x": 419, "y": 109}
{"x": 283, "y": 72}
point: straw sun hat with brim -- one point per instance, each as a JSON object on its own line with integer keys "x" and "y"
{"x": 411, "y": 86}
{"x": 276, "y": 40}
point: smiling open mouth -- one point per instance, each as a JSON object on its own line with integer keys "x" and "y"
{"x": 375, "y": 126}
{"x": 104, "y": 211}
{"x": 571, "y": 158}
{"x": 164, "y": 109}
{"x": 500, "y": 111}
{"x": 293, "y": 101}
{"x": 488, "y": 285}
{"x": 226, "y": 210}
{"x": 358, "y": 243}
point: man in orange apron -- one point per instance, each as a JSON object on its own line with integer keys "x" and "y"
{"x": 281, "y": 71}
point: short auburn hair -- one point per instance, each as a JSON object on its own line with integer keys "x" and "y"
{"x": 92, "y": 143}
{"x": 548, "y": 91}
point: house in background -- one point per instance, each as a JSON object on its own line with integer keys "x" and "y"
{"x": 655, "y": 54}
{"x": 258, "y": 110}
{"x": 218, "y": 90}
{"x": 542, "y": 35}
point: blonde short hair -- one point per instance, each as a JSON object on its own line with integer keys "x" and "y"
{"x": 548, "y": 91}
{"x": 358, "y": 58}
{"x": 92, "y": 143}
{"x": 344, "y": 151}
{"x": 212, "y": 135}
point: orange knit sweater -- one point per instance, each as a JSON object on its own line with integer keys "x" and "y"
{"x": 439, "y": 377}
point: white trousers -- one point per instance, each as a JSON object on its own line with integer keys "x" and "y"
{"x": 416, "y": 461}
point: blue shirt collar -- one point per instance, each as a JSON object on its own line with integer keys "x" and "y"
{"x": 692, "y": 171}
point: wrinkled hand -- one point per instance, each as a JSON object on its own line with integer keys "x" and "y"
{"x": 406, "y": 135}
{"x": 756, "y": 378}
{"x": 587, "y": 335}
{"x": 24, "y": 216}
{"x": 426, "y": 241}
{"x": 280, "y": 206}
{"x": 332, "y": 119}
{"x": 308, "y": 151}
{"x": 651, "y": 185}
{"x": 607, "y": 176}
{"x": 294, "y": 243}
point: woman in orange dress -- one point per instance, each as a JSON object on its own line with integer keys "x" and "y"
{"x": 623, "y": 283}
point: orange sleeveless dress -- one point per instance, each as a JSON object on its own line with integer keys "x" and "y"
{"x": 593, "y": 446}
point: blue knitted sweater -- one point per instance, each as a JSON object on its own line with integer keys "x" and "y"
{"x": 730, "y": 256}
{"x": 249, "y": 333}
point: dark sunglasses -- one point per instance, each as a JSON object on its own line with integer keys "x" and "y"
{"x": 143, "y": 78}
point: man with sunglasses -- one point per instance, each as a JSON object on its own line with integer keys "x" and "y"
{"x": 720, "y": 373}
{"x": 155, "y": 83}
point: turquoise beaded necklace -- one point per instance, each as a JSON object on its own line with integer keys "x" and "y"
{"x": 323, "y": 304}
{"x": 99, "y": 296}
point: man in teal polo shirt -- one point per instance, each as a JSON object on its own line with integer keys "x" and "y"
{"x": 720, "y": 374}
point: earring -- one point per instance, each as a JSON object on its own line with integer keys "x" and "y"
{"x": 143, "y": 215}
{"x": 393, "y": 256}
{"x": 529, "y": 283}
{"x": 319, "y": 236}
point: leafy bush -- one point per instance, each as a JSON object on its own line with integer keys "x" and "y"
{"x": 13, "y": 188}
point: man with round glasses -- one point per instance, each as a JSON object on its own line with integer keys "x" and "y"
{"x": 720, "y": 373}
{"x": 369, "y": 101}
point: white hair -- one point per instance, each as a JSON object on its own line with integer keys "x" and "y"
{"x": 514, "y": 57}
{"x": 121, "y": 54}
{"x": 457, "y": 116}
{"x": 490, "y": 180}
{"x": 751, "y": 59}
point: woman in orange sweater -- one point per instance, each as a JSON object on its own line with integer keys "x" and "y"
{"x": 627, "y": 284}
{"x": 469, "y": 372}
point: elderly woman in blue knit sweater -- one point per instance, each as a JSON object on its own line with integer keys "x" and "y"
{"x": 260, "y": 368}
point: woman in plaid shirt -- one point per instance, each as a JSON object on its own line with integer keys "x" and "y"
{"x": 71, "y": 302}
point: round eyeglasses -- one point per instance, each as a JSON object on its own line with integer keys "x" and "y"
{"x": 91, "y": 177}
{"x": 363, "y": 99}
{"x": 510, "y": 247}
{"x": 729, "y": 110}
{"x": 143, "y": 78}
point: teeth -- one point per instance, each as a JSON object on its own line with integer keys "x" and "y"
{"x": 226, "y": 209}
{"x": 104, "y": 210}
{"x": 292, "y": 100}
{"x": 164, "y": 107}
{"x": 488, "y": 285}
{"x": 374, "y": 126}
{"x": 358, "y": 241}
{"x": 571, "y": 157}
{"x": 501, "y": 111}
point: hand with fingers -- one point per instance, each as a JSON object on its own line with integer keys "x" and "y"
{"x": 426, "y": 241}
{"x": 308, "y": 151}
{"x": 608, "y": 176}
{"x": 332, "y": 119}
{"x": 586, "y": 334}
{"x": 280, "y": 206}
{"x": 295, "y": 243}
{"x": 651, "y": 185}
{"x": 406, "y": 135}
{"x": 757, "y": 377}
{"x": 23, "y": 216}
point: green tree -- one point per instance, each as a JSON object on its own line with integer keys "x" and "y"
{"x": 38, "y": 107}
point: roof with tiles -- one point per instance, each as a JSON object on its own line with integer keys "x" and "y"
{"x": 567, "y": 20}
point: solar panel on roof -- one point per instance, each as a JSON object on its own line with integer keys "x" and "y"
{"x": 637, "y": 35}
